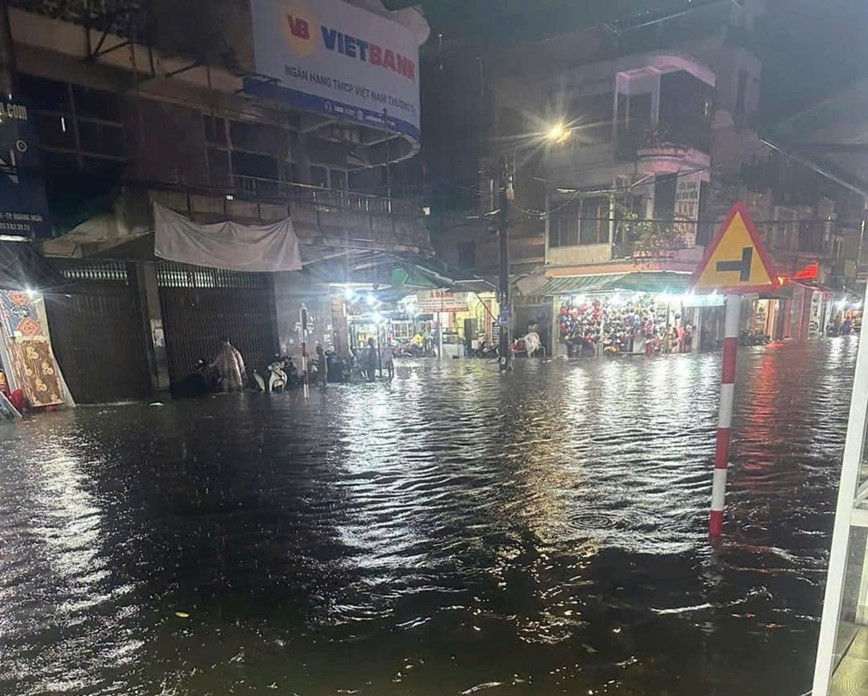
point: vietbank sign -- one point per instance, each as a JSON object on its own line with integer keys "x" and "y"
{"x": 337, "y": 59}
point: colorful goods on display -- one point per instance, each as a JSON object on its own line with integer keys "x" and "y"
{"x": 617, "y": 323}
{"x": 31, "y": 360}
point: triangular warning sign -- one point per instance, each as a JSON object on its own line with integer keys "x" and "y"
{"x": 736, "y": 261}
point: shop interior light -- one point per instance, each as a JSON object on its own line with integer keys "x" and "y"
{"x": 31, "y": 293}
{"x": 378, "y": 318}
{"x": 349, "y": 294}
{"x": 842, "y": 304}
{"x": 579, "y": 300}
{"x": 371, "y": 299}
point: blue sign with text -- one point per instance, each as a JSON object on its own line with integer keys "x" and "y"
{"x": 23, "y": 203}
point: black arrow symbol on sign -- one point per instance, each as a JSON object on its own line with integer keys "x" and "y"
{"x": 743, "y": 266}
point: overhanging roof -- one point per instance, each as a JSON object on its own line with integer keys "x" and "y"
{"x": 650, "y": 281}
{"x": 22, "y": 268}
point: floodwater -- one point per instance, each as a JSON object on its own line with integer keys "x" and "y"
{"x": 453, "y": 532}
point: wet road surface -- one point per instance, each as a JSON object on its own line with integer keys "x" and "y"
{"x": 453, "y": 532}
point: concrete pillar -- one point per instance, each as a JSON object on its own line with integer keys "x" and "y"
{"x": 152, "y": 316}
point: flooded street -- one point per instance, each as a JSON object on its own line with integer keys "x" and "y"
{"x": 453, "y": 532}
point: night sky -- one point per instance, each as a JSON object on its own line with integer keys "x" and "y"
{"x": 810, "y": 49}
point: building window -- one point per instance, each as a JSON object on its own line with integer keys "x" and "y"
{"x": 564, "y": 224}
{"x": 594, "y": 225}
{"x": 338, "y": 179}
{"x": 664, "y": 196}
{"x": 252, "y": 156}
{"x": 580, "y": 222}
{"x": 319, "y": 176}
{"x": 79, "y": 121}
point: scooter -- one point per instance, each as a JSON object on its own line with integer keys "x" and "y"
{"x": 277, "y": 377}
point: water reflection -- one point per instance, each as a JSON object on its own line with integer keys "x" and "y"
{"x": 454, "y": 532}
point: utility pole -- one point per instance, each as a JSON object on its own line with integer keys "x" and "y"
{"x": 506, "y": 194}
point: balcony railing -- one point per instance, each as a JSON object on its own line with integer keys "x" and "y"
{"x": 268, "y": 190}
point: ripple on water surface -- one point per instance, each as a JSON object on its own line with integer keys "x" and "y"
{"x": 454, "y": 532}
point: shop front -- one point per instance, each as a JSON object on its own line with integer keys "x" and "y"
{"x": 638, "y": 323}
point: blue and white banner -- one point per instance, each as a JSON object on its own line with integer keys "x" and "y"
{"x": 336, "y": 59}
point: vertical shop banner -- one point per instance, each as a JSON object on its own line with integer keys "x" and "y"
{"x": 23, "y": 203}
{"x": 687, "y": 207}
{"x": 332, "y": 58}
{"x": 29, "y": 350}
{"x": 815, "y": 323}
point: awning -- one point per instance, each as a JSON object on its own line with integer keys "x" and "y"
{"x": 651, "y": 281}
{"x": 22, "y": 268}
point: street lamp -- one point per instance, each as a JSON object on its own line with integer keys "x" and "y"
{"x": 554, "y": 134}
{"x": 557, "y": 133}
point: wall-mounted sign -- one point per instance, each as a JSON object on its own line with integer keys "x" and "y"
{"x": 442, "y": 301}
{"x": 23, "y": 204}
{"x": 336, "y": 59}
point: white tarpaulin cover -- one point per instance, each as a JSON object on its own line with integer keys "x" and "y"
{"x": 230, "y": 245}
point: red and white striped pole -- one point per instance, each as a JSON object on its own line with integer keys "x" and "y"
{"x": 304, "y": 371}
{"x": 724, "y": 422}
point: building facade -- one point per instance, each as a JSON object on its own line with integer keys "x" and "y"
{"x": 161, "y": 104}
{"x": 658, "y": 136}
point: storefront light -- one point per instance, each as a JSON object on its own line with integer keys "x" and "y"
{"x": 349, "y": 295}
{"x": 371, "y": 299}
{"x": 579, "y": 299}
{"x": 842, "y": 304}
{"x": 378, "y": 318}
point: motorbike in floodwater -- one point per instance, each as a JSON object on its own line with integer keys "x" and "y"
{"x": 486, "y": 351}
{"x": 278, "y": 376}
{"x": 750, "y": 338}
{"x": 200, "y": 382}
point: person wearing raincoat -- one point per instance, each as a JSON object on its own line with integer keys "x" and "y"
{"x": 230, "y": 367}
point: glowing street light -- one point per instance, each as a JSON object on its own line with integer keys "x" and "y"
{"x": 557, "y": 133}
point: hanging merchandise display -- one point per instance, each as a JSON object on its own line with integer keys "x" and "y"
{"x": 637, "y": 323}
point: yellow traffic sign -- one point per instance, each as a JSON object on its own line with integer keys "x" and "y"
{"x": 737, "y": 260}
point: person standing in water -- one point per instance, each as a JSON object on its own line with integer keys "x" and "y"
{"x": 321, "y": 365}
{"x": 371, "y": 360}
{"x": 230, "y": 367}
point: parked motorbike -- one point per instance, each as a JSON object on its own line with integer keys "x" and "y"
{"x": 486, "y": 351}
{"x": 338, "y": 369}
{"x": 750, "y": 338}
{"x": 278, "y": 376}
{"x": 199, "y": 382}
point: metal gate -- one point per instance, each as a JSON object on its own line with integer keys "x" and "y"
{"x": 201, "y": 305}
{"x": 97, "y": 333}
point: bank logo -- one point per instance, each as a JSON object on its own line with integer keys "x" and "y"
{"x": 299, "y": 27}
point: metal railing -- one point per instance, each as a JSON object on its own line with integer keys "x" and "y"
{"x": 261, "y": 189}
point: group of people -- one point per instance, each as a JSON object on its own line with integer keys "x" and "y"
{"x": 617, "y": 326}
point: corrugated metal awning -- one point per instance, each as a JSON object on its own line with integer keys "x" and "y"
{"x": 22, "y": 268}
{"x": 640, "y": 281}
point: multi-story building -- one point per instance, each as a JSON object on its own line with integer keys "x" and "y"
{"x": 657, "y": 135}
{"x": 239, "y": 109}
